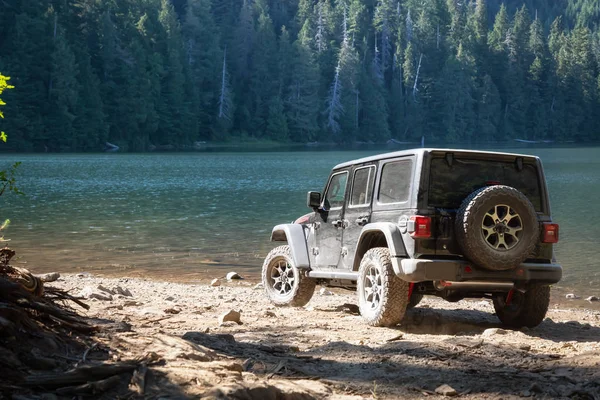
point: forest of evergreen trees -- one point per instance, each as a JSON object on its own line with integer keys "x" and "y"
{"x": 147, "y": 74}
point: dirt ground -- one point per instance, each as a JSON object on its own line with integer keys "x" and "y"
{"x": 324, "y": 350}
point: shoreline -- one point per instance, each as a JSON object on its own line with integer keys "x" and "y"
{"x": 558, "y": 294}
{"x": 325, "y": 351}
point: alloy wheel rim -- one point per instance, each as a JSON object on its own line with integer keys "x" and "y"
{"x": 372, "y": 288}
{"x": 282, "y": 277}
{"x": 502, "y": 227}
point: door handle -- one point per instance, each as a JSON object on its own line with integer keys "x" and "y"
{"x": 340, "y": 223}
{"x": 362, "y": 221}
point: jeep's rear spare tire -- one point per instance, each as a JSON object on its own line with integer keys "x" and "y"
{"x": 497, "y": 227}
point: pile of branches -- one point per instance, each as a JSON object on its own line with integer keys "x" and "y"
{"x": 44, "y": 342}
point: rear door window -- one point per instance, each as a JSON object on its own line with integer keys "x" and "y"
{"x": 395, "y": 182}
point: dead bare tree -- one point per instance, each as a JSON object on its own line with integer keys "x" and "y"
{"x": 415, "y": 90}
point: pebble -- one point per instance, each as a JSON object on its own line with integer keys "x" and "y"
{"x": 89, "y": 292}
{"x": 123, "y": 292}
{"x": 215, "y": 282}
{"x": 493, "y": 331}
{"x": 535, "y": 388}
{"x": 100, "y": 296}
{"x": 325, "y": 292}
{"x": 51, "y": 277}
{"x": 525, "y": 347}
{"x": 571, "y": 296}
{"x": 259, "y": 286}
{"x": 446, "y": 390}
{"x": 230, "y": 315}
{"x": 170, "y": 298}
{"x": 105, "y": 289}
{"x": 592, "y": 298}
{"x": 233, "y": 275}
{"x": 269, "y": 314}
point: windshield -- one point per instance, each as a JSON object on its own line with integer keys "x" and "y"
{"x": 450, "y": 185}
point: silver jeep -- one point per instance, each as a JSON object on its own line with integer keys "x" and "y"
{"x": 450, "y": 223}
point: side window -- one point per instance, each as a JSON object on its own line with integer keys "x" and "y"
{"x": 334, "y": 198}
{"x": 361, "y": 186}
{"x": 395, "y": 182}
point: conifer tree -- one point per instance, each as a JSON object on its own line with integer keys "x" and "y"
{"x": 497, "y": 38}
{"x": 302, "y": 101}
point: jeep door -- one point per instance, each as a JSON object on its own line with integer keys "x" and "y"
{"x": 358, "y": 210}
{"x": 330, "y": 222}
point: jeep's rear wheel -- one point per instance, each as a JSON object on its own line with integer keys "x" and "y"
{"x": 517, "y": 309}
{"x": 414, "y": 300}
{"x": 382, "y": 296}
{"x": 497, "y": 227}
{"x": 284, "y": 284}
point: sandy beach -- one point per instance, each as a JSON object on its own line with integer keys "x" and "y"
{"x": 324, "y": 350}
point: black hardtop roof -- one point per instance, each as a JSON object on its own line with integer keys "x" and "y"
{"x": 420, "y": 152}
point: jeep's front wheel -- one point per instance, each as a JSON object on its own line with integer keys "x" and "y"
{"x": 518, "y": 309}
{"x": 284, "y": 284}
{"x": 382, "y": 296}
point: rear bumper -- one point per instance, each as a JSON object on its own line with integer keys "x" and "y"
{"x": 419, "y": 270}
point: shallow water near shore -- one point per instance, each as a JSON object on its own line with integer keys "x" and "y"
{"x": 197, "y": 215}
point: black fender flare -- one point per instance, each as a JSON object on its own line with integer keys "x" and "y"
{"x": 393, "y": 237}
{"x": 295, "y": 235}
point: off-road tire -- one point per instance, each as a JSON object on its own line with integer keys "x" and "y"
{"x": 300, "y": 291}
{"x": 392, "y": 291}
{"x": 470, "y": 234}
{"x": 528, "y": 309}
{"x": 414, "y": 300}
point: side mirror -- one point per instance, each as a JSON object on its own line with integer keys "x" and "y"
{"x": 313, "y": 200}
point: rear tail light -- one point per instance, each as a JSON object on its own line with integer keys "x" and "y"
{"x": 550, "y": 233}
{"x": 419, "y": 227}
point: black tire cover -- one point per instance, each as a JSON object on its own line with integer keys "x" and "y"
{"x": 497, "y": 227}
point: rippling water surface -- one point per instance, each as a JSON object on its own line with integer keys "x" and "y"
{"x": 183, "y": 215}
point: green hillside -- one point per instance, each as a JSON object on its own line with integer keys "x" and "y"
{"x": 147, "y": 74}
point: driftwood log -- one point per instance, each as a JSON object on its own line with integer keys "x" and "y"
{"x": 87, "y": 373}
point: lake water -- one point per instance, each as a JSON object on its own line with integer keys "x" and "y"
{"x": 198, "y": 215}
